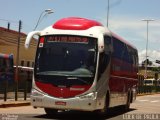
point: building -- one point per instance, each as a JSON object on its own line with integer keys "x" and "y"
{"x": 151, "y": 70}
{"x": 9, "y": 43}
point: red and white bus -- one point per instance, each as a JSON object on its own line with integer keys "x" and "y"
{"x": 81, "y": 65}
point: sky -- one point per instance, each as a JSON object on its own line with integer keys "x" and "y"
{"x": 125, "y": 18}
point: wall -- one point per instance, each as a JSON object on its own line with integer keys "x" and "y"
{"x": 8, "y": 45}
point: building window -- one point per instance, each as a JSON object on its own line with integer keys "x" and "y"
{"x": 28, "y": 63}
{"x": 22, "y": 63}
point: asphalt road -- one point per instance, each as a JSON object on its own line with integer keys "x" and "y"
{"x": 145, "y": 107}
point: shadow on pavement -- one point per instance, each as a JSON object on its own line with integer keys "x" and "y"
{"x": 77, "y": 115}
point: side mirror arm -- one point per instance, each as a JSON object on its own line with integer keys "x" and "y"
{"x": 29, "y": 38}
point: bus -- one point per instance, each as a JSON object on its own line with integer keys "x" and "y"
{"x": 6, "y": 68}
{"x": 151, "y": 82}
{"x": 82, "y": 65}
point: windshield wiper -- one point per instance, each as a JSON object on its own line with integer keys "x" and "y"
{"x": 64, "y": 73}
{"x": 75, "y": 78}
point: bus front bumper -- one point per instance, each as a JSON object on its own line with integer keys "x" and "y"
{"x": 87, "y": 102}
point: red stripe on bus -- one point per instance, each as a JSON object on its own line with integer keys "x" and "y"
{"x": 64, "y": 92}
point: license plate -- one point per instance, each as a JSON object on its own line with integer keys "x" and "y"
{"x": 60, "y": 103}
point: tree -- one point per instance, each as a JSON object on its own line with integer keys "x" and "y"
{"x": 148, "y": 62}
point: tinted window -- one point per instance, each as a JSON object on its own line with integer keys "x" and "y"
{"x": 63, "y": 56}
{"x": 125, "y": 56}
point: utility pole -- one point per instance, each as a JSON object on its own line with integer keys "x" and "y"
{"x": 147, "y": 20}
{"x": 8, "y": 26}
{"x": 17, "y": 62}
{"x": 108, "y": 14}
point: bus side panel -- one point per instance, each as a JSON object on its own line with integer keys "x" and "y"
{"x": 123, "y": 79}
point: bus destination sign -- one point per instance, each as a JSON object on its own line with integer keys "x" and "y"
{"x": 71, "y": 39}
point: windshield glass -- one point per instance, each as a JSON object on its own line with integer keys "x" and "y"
{"x": 70, "y": 56}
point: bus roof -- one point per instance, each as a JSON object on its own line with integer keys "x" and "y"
{"x": 75, "y": 23}
{"x": 149, "y": 79}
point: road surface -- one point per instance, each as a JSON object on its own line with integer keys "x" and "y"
{"x": 145, "y": 107}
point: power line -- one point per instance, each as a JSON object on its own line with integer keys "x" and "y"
{"x": 15, "y": 24}
{"x": 9, "y": 20}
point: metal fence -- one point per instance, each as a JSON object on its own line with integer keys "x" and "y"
{"x": 20, "y": 89}
{"x": 9, "y": 89}
{"x": 148, "y": 89}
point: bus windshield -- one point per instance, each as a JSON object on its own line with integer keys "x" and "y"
{"x": 70, "y": 56}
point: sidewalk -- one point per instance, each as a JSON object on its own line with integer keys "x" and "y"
{"x": 142, "y": 94}
{"x": 13, "y": 103}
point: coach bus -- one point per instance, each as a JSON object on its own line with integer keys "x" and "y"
{"x": 6, "y": 68}
{"x": 81, "y": 65}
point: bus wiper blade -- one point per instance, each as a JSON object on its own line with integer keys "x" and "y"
{"x": 52, "y": 73}
{"x": 60, "y": 73}
{"x": 76, "y": 78}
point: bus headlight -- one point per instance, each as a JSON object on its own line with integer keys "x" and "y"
{"x": 92, "y": 95}
{"x": 35, "y": 92}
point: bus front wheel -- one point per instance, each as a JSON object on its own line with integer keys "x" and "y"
{"x": 50, "y": 111}
{"x": 129, "y": 99}
{"x": 105, "y": 110}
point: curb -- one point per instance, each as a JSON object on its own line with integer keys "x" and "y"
{"x": 14, "y": 104}
{"x": 143, "y": 94}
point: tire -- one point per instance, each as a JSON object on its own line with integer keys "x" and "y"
{"x": 127, "y": 106}
{"x": 50, "y": 111}
{"x": 105, "y": 110}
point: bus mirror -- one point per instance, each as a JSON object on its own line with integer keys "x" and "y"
{"x": 29, "y": 37}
